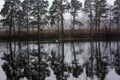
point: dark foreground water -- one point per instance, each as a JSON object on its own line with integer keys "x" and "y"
{"x": 60, "y": 61}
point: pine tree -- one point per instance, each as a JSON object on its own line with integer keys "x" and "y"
{"x": 56, "y": 14}
{"x": 96, "y": 10}
{"x": 100, "y": 9}
{"x": 75, "y": 5}
{"x": 27, "y": 8}
{"x": 89, "y": 9}
{"x": 39, "y": 13}
{"x": 116, "y": 12}
{"x": 9, "y": 13}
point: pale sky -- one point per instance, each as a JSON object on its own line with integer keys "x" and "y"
{"x": 109, "y": 1}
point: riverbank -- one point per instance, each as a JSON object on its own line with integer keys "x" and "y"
{"x": 68, "y": 35}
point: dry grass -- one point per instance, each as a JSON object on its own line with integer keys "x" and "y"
{"x": 67, "y": 33}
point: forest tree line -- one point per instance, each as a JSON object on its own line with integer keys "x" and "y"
{"x": 37, "y": 14}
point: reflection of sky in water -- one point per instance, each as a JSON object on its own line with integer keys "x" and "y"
{"x": 68, "y": 51}
{"x": 2, "y": 50}
{"x": 82, "y": 55}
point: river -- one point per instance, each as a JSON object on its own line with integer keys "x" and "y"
{"x": 33, "y": 60}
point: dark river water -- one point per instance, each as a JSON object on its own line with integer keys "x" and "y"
{"x": 95, "y": 60}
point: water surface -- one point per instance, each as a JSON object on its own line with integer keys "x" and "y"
{"x": 95, "y": 60}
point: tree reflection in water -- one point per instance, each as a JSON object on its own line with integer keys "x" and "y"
{"x": 117, "y": 59}
{"x": 77, "y": 69}
{"x": 57, "y": 63}
{"x": 96, "y": 64}
{"x": 33, "y": 62}
{"x": 25, "y": 63}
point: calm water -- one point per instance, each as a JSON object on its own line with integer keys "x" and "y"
{"x": 60, "y": 61}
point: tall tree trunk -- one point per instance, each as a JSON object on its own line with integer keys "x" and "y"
{"x": 11, "y": 23}
{"x": 73, "y": 22}
{"x": 58, "y": 29}
{"x": 39, "y": 48}
{"x": 19, "y": 29}
{"x": 91, "y": 21}
{"x": 96, "y": 22}
{"x": 27, "y": 25}
{"x": 99, "y": 21}
{"x": 110, "y": 23}
{"x": 62, "y": 24}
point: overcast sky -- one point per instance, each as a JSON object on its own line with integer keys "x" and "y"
{"x": 109, "y": 1}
